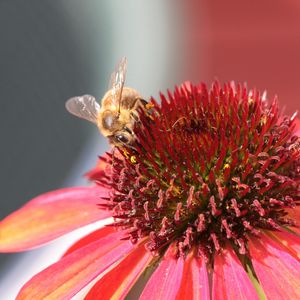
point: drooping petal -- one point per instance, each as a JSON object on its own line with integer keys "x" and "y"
{"x": 51, "y": 215}
{"x": 68, "y": 276}
{"x": 90, "y": 238}
{"x": 194, "y": 284}
{"x": 165, "y": 281}
{"x": 101, "y": 170}
{"x": 117, "y": 283}
{"x": 278, "y": 272}
{"x": 230, "y": 280}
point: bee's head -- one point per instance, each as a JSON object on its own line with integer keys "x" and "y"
{"x": 121, "y": 138}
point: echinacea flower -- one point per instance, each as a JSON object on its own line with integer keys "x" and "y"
{"x": 207, "y": 199}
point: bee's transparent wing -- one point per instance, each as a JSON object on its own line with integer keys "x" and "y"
{"x": 85, "y": 107}
{"x": 117, "y": 80}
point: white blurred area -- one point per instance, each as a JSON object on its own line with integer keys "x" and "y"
{"x": 144, "y": 32}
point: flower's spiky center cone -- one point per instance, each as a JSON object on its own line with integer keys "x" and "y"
{"x": 207, "y": 167}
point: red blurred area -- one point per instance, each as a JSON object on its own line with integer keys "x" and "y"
{"x": 255, "y": 41}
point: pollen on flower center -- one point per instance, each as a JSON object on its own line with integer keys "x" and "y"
{"x": 207, "y": 168}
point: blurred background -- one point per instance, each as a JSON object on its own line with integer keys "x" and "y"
{"x": 52, "y": 50}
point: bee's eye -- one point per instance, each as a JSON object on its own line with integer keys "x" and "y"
{"x": 122, "y": 138}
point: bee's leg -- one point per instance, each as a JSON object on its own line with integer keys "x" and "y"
{"x": 131, "y": 147}
{"x": 113, "y": 156}
{"x": 145, "y": 105}
{"x": 139, "y": 102}
{"x": 135, "y": 116}
{"x": 143, "y": 102}
{"x": 128, "y": 130}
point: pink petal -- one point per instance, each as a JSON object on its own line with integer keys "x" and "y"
{"x": 90, "y": 238}
{"x": 230, "y": 280}
{"x": 290, "y": 241}
{"x": 68, "y": 276}
{"x": 297, "y": 129}
{"x": 117, "y": 283}
{"x": 278, "y": 272}
{"x": 194, "y": 284}
{"x": 51, "y": 215}
{"x": 165, "y": 281}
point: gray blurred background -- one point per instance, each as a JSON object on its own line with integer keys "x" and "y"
{"x": 43, "y": 61}
{"x": 51, "y": 51}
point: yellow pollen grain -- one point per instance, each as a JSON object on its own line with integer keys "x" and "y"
{"x": 176, "y": 189}
{"x": 149, "y": 105}
{"x": 126, "y": 153}
{"x": 133, "y": 159}
{"x": 263, "y": 120}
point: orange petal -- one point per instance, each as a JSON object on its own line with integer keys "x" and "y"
{"x": 294, "y": 214}
{"x": 278, "y": 272}
{"x": 194, "y": 284}
{"x": 68, "y": 276}
{"x": 230, "y": 280}
{"x": 165, "y": 281}
{"x": 118, "y": 282}
{"x": 51, "y": 215}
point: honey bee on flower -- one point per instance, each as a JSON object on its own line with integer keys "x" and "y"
{"x": 210, "y": 207}
{"x": 118, "y": 112}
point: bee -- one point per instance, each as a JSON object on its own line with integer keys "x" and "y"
{"x": 118, "y": 113}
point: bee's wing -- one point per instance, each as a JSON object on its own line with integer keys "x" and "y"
{"x": 117, "y": 82}
{"x": 85, "y": 107}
